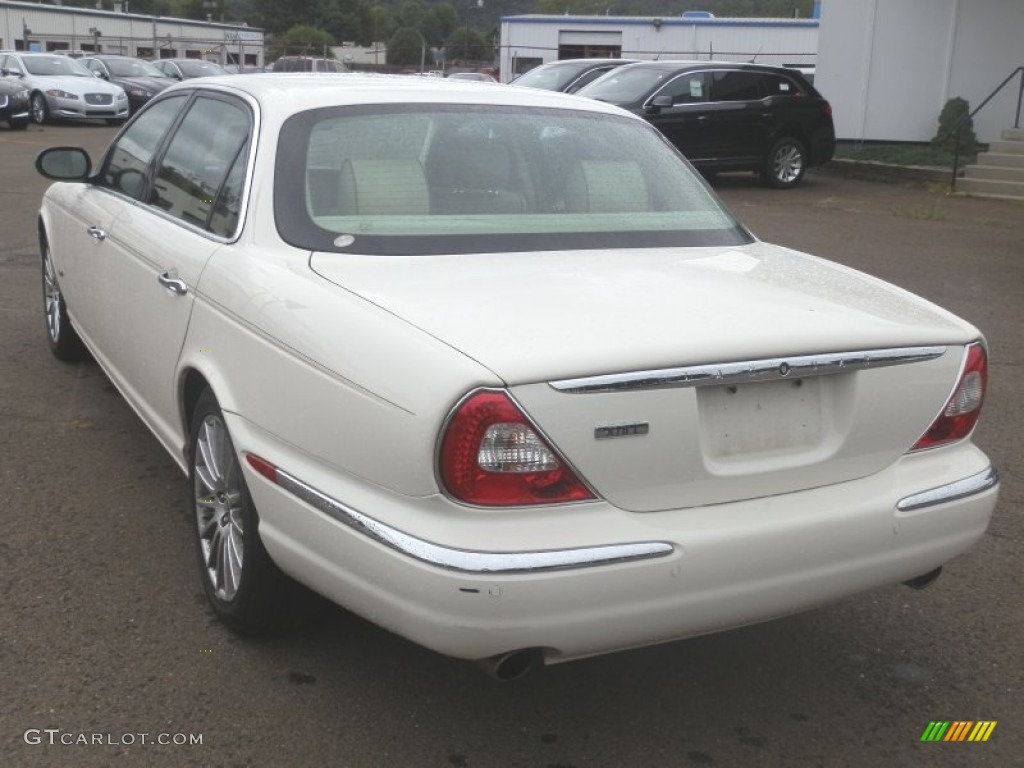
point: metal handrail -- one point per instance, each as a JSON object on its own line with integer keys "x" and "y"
{"x": 963, "y": 121}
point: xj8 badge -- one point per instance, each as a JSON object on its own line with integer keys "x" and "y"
{"x": 621, "y": 430}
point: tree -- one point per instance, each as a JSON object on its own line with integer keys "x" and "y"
{"x": 471, "y": 48}
{"x": 956, "y": 114}
{"x": 406, "y": 48}
{"x": 303, "y": 39}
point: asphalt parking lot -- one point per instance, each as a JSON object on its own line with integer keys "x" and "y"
{"x": 105, "y": 635}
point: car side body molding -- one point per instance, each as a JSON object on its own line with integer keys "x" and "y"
{"x": 465, "y": 560}
{"x": 961, "y": 489}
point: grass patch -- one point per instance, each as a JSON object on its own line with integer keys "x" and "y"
{"x": 902, "y": 154}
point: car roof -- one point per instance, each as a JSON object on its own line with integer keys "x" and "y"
{"x": 582, "y": 62}
{"x": 290, "y": 92}
{"x": 673, "y": 65}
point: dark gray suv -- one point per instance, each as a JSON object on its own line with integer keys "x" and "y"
{"x": 727, "y": 116}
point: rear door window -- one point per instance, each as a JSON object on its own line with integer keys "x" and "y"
{"x": 204, "y": 151}
{"x": 736, "y": 85}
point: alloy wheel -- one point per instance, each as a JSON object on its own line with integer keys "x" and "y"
{"x": 220, "y": 504}
{"x": 788, "y": 164}
{"x": 52, "y": 299}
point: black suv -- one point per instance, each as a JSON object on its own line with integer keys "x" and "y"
{"x": 728, "y": 117}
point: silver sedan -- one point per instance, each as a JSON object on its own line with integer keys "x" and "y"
{"x": 63, "y": 88}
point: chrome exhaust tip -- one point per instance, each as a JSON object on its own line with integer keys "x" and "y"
{"x": 514, "y": 665}
{"x": 924, "y": 580}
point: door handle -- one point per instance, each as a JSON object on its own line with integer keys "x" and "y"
{"x": 172, "y": 284}
{"x": 96, "y": 233}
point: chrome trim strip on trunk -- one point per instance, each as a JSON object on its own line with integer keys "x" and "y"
{"x": 960, "y": 489}
{"x": 466, "y": 560}
{"x": 800, "y": 366}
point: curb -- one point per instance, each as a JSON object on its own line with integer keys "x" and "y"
{"x": 868, "y": 170}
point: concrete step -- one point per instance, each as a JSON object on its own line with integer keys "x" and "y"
{"x": 1013, "y": 134}
{"x": 1007, "y": 147}
{"x": 995, "y": 172}
{"x": 990, "y": 188}
{"x": 1001, "y": 160}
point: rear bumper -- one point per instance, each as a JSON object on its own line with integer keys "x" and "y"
{"x": 588, "y": 579}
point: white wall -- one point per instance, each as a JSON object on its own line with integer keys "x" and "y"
{"x": 889, "y": 66}
{"x": 767, "y": 41}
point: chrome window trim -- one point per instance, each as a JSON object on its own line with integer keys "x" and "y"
{"x": 960, "y": 489}
{"x": 799, "y": 366}
{"x": 470, "y": 561}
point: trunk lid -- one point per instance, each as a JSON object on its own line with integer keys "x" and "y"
{"x": 537, "y": 318}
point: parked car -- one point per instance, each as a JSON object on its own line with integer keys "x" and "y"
{"x": 480, "y": 77}
{"x": 60, "y": 87}
{"x": 728, "y": 117}
{"x": 140, "y": 79}
{"x": 185, "y": 69}
{"x": 307, "y": 64}
{"x": 246, "y": 69}
{"x": 568, "y": 75}
{"x": 15, "y": 104}
{"x": 494, "y": 368}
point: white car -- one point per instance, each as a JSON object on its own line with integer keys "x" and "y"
{"x": 493, "y": 368}
{"x": 62, "y": 87}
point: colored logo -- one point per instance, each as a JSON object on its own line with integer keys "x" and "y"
{"x": 958, "y": 730}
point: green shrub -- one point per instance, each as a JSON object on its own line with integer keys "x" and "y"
{"x": 955, "y": 113}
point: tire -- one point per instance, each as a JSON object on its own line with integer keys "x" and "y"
{"x": 40, "y": 110}
{"x": 116, "y": 120}
{"x": 60, "y": 333}
{"x": 785, "y": 163}
{"x": 18, "y": 125}
{"x": 244, "y": 587}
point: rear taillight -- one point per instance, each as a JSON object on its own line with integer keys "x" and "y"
{"x": 963, "y": 408}
{"x": 492, "y": 456}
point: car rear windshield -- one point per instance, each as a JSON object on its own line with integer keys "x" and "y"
{"x": 429, "y": 179}
{"x": 550, "y": 78}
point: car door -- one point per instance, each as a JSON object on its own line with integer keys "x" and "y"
{"x": 677, "y": 109}
{"x": 737, "y": 117}
{"x": 159, "y": 249}
{"x": 80, "y": 227}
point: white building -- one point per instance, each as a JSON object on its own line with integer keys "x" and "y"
{"x": 527, "y": 41}
{"x": 889, "y": 66}
{"x": 35, "y": 27}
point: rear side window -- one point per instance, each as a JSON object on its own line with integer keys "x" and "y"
{"x": 780, "y": 85}
{"x": 736, "y": 85}
{"x": 194, "y": 172}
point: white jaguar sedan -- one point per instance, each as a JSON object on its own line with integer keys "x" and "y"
{"x": 493, "y": 368}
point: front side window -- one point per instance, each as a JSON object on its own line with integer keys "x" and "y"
{"x": 690, "y": 88}
{"x": 201, "y": 156}
{"x": 126, "y": 168}
{"x": 470, "y": 179}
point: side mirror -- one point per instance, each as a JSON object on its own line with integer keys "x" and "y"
{"x": 64, "y": 164}
{"x": 658, "y": 103}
